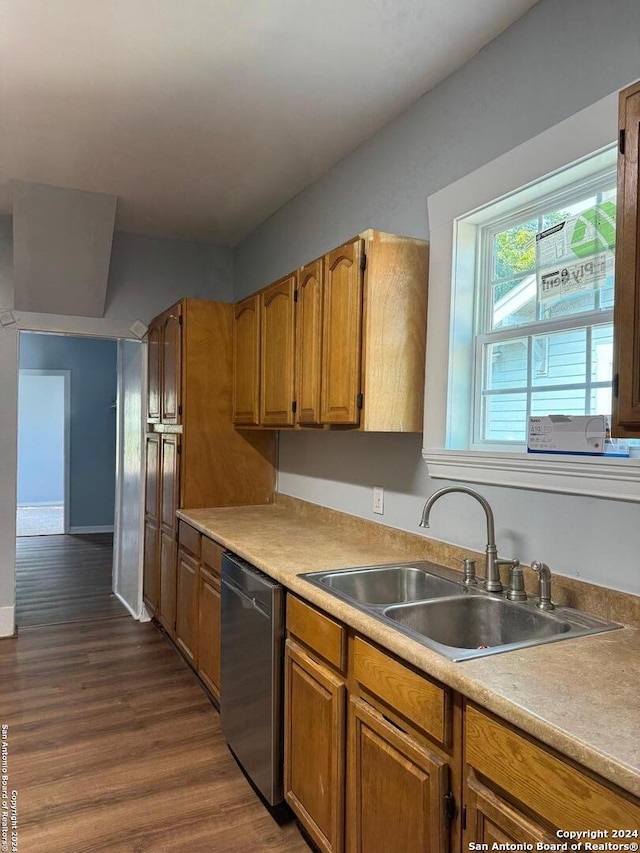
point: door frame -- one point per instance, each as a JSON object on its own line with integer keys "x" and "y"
{"x": 66, "y": 474}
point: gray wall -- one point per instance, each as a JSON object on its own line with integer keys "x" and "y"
{"x": 92, "y": 364}
{"x": 558, "y": 59}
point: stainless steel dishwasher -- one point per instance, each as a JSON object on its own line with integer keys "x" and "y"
{"x": 251, "y": 661}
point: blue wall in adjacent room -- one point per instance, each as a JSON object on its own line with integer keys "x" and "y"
{"x": 92, "y": 363}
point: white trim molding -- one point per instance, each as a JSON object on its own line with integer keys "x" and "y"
{"x": 616, "y": 479}
{"x": 7, "y": 621}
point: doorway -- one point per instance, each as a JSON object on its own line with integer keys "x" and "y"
{"x": 43, "y": 452}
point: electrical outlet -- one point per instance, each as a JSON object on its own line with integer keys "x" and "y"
{"x": 378, "y": 500}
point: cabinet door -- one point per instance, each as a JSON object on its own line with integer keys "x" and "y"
{"x": 246, "y": 362}
{"x": 151, "y": 566}
{"x": 168, "y": 578}
{"x": 152, "y": 477}
{"x": 309, "y": 343}
{"x": 277, "y": 334}
{"x": 491, "y": 820}
{"x": 169, "y": 481}
{"x": 314, "y": 747}
{"x": 209, "y": 631}
{"x": 188, "y": 582}
{"x": 626, "y": 405}
{"x": 396, "y": 788}
{"x": 153, "y": 374}
{"x": 171, "y": 408}
{"x": 342, "y": 334}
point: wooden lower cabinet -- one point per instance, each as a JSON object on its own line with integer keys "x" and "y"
{"x": 491, "y": 819}
{"x": 519, "y": 789}
{"x": 314, "y": 743}
{"x": 167, "y": 605}
{"x": 151, "y": 568}
{"x": 209, "y": 630}
{"x": 396, "y": 788}
{"x": 187, "y": 619}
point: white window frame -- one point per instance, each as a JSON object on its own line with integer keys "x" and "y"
{"x": 576, "y": 138}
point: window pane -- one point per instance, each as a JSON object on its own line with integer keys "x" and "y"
{"x": 514, "y": 250}
{"x": 514, "y": 302}
{"x": 558, "y": 402}
{"x": 506, "y": 364}
{"x": 559, "y": 358}
{"x": 575, "y": 260}
{"x": 505, "y": 417}
{"x": 600, "y": 401}
{"x": 602, "y": 354}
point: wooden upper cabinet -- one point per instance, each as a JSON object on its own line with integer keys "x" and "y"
{"x": 246, "y": 362}
{"x": 153, "y": 374}
{"x": 277, "y": 339}
{"x": 342, "y": 334}
{"x": 309, "y": 342}
{"x": 171, "y": 408}
{"x": 360, "y": 330}
{"x": 626, "y": 404}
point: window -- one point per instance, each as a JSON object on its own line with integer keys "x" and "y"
{"x": 544, "y": 332}
{"x": 534, "y": 276}
{"x": 520, "y": 178}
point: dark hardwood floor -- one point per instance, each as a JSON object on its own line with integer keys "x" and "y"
{"x": 64, "y": 579}
{"x": 114, "y": 746}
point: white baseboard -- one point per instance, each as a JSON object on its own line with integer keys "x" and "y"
{"x": 105, "y": 528}
{"x": 7, "y": 621}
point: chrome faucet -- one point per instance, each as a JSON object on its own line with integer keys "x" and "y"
{"x": 492, "y": 573}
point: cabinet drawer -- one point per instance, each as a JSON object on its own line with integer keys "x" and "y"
{"x": 556, "y": 790}
{"x": 425, "y": 704}
{"x": 211, "y": 554}
{"x": 189, "y": 538}
{"x": 319, "y": 632}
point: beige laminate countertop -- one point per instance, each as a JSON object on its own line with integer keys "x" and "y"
{"x": 580, "y": 696}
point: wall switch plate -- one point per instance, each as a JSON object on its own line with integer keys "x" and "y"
{"x": 378, "y": 500}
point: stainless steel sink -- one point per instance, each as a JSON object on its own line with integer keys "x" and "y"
{"x": 476, "y": 622}
{"x": 387, "y": 584}
{"x": 429, "y": 604}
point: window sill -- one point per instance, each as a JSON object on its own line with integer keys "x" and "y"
{"x": 617, "y": 479}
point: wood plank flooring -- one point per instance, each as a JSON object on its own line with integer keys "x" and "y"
{"x": 114, "y": 746}
{"x": 64, "y": 579}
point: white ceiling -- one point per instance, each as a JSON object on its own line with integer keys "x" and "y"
{"x": 206, "y": 116}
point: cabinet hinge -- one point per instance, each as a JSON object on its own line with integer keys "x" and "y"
{"x": 180, "y": 319}
{"x": 295, "y": 295}
{"x": 178, "y": 448}
{"x": 464, "y": 817}
{"x": 615, "y": 385}
{"x": 621, "y": 141}
{"x": 363, "y": 262}
{"x": 180, "y": 409}
{"x": 294, "y": 407}
{"x": 450, "y": 808}
{"x": 360, "y": 400}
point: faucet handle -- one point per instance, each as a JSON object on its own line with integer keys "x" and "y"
{"x": 516, "y": 583}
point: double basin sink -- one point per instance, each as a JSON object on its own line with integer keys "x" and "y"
{"x": 429, "y": 604}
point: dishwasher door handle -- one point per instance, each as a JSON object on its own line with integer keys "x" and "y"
{"x": 247, "y": 601}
